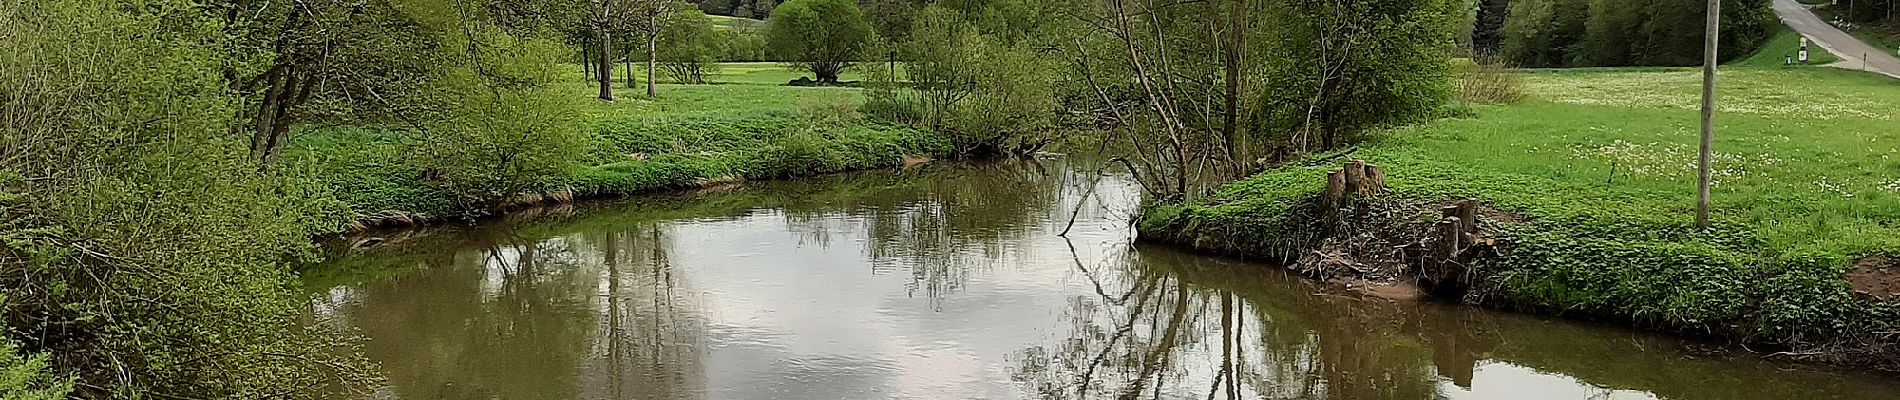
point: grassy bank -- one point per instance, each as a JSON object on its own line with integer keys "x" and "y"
{"x": 1784, "y": 46}
{"x": 692, "y": 135}
{"x": 1594, "y": 180}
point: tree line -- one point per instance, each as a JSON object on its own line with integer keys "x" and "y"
{"x": 1602, "y": 33}
{"x": 1874, "y": 12}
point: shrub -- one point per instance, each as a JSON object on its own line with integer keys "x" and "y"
{"x": 509, "y": 134}
{"x": 822, "y": 36}
{"x": 689, "y": 48}
{"x": 140, "y": 250}
{"x": 986, "y": 96}
{"x": 1488, "y": 80}
{"x": 27, "y": 377}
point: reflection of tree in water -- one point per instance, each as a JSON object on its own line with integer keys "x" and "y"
{"x": 441, "y": 334}
{"x": 935, "y": 222}
{"x": 978, "y": 220}
{"x": 650, "y": 344}
{"x": 593, "y": 316}
{"x": 1156, "y": 329}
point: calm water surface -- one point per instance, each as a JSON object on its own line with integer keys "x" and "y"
{"x": 948, "y": 282}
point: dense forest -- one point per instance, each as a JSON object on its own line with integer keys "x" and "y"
{"x": 1602, "y": 33}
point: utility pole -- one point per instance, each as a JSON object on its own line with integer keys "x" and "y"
{"x": 1711, "y": 38}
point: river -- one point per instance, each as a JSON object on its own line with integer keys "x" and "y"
{"x": 948, "y": 281}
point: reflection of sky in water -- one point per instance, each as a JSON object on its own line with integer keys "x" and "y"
{"x": 821, "y": 321}
{"x": 1504, "y": 381}
{"x": 954, "y": 286}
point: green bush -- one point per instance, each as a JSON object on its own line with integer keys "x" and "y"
{"x": 142, "y": 252}
{"x": 1395, "y": 73}
{"x": 689, "y": 48}
{"x": 24, "y": 376}
{"x": 987, "y": 96}
{"x": 511, "y": 133}
{"x": 823, "y": 36}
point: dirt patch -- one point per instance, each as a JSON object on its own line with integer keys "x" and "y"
{"x": 1876, "y": 277}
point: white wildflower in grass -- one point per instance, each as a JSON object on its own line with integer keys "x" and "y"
{"x": 1837, "y": 188}
{"x": 1668, "y": 161}
{"x": 1891, "y": 186}
{"x": 1757, "y": 92}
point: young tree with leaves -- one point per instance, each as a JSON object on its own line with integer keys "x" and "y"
{"x": 822, "y": 36}
{"x": 650, "y": 20}
{"x": 690, "y": 48}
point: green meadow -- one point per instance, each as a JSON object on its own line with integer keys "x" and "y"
{"x": 747, "y": 124}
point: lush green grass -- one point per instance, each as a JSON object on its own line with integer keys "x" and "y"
{"x": 1601, "y": 164}
{"x": 688, "y": 135}
{"x": 724, "y": 22}
{"x": 1784, "y": 46}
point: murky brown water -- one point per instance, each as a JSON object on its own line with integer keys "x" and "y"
{"x": 948, "y": 282}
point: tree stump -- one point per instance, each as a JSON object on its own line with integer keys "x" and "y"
{"x": 1356, "y": 180}
{"x": 1457, "y": 243}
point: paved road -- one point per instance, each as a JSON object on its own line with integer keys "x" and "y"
{"x": 1846, "y": 47}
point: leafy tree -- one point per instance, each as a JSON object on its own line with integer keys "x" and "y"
{"x": 690, "y": 48}
{"x": 940, "y": 61}
{"x": 652, "y": 20}
{"x": 891, "y": 18}
{"x": 990, "y": 98}
{"x": 1545, "y": 33}
{"x": 284, "y": 56}
{"x": 502, "y": 128}
{"x": 1341, "y": 68}
{"x": 822, "y": 36}
{"x": 741, "y": 45}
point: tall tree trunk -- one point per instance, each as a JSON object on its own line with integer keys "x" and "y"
{"x": 1235, "y": 51}
{"x": 605, "y": 64}
{"x": 587, "y": 61}
{"x": 653, "y": 43}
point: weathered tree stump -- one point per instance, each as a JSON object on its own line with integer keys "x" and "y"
{"x": 1456, "y": 244}
{"x": 1356, "y": 180}
{"x": 1335, "y": 190}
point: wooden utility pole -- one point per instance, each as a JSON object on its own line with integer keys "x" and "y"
{"x": 1711, "y": 40}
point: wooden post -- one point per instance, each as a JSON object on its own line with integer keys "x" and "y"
{"x": 1711, "y": 38}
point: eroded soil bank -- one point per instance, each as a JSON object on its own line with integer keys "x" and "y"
{"x": 1402, "y": 227}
